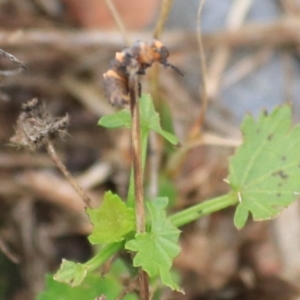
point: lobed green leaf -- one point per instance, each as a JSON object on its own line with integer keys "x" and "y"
{"x": 265, "y": 171}
{"x": 157, "y": 248}
{"x": 112, "y": 220}
{"x": 93, "y": 287}
{"x": 150, "y": 119}
{"x": 71, "y": 273}
{"x": 148, "y": 116}
{"x": 119, "y": 119}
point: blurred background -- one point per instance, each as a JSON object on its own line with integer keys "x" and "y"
{"x": 252, "y": 52}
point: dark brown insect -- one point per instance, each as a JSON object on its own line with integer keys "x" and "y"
{"x": 145, "y": 54}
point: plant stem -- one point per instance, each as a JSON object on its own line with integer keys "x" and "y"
{"x": 130, "y": 195}
{"x": 205, "y": 208}
{"x": 63, "y": 169}
{"x": 137, "y": 155}
{"x": 197, "y": 127}
{"x": 103, "y": 255}
{"x": 117, "y": 18}
{"x": 8, "y": 253}
{"x": 138, "y": 172}
{"x": 164, "y": 13}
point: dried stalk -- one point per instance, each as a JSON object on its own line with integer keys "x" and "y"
{"x": 62, "y": 168}
{"x": 196, "y": 128}
{"x": 138, "y": 172}
{"x": 165, "y": 10}
{"x": 15, "y": 60}
{"x": 9, "y": 254}
{"x": 282, "y": 32}
{"x": 118, "y": 21}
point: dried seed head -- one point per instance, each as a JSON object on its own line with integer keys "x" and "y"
{"x": 35, "y": 126}
{"x": 131, "y": 61}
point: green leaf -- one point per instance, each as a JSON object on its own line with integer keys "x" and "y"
{"x": 112, "y": 221}
{"x": 150, "y": 119}
{"x": 74, "y": 273}
{"x": 265, "y": 171}
{"x": 121, "y": 118}
{"x": 92, "y": 287}
{"x": 157, "y": 249}
{"x": 241, "y": 216}
{"x": 71, "y": 273}
{"x": 148, "y": 116}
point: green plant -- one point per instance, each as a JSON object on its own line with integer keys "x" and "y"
{"x": 263, "y": 179}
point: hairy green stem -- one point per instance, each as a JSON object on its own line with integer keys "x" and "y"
{"x": 205, "y": 208}
{"x": 105, "y": 253}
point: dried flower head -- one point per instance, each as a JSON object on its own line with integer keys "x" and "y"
{"x": 35, "y": 126}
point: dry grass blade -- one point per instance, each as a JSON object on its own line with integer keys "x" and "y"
{"x": 165, "y": 10}
{"x": 14, "y": 258}
{"x": 138, "y": 171}
{"x": 63, "y": 169}
{"x": 282, "y": 32}
{"x": 197, "y": 126}
{"x": 12, "y": 58}
{"x": 118, "y": 21}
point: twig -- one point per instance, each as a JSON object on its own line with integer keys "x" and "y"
{"x": 154, "y": 156}
{"x": 62, "y": 168}
{"x": 12, "y": 58}
{"x": 137, "y": 170}
{"x": 136, "y": 152}
{"x": 118, "y": 21}
{"x": 196, "y": 128}
{"x": 13, "y": 257}
{"x": 284, "y": 31}
{"x": 165, "y": 10}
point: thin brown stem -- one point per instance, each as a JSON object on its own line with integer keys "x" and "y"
{"x": 164, "y": 13}
{"x": 144, "y": 285}
{"x": 136, "y": 153}
{"x": 200, "y": 120}
{"x": 63, "y": 169}
{"x": 21, "y": 68}
{"x": 138, "y": 173}
{"x": 9, "y": 254}
{"x": 118, "y": 20}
